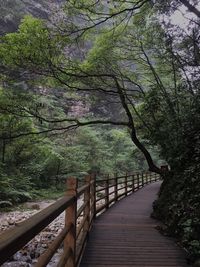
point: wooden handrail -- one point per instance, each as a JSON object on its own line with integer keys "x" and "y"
{"x": 48, "y": 254}
{"x": 74, "y": 236}
{"x": 14, "y": 239}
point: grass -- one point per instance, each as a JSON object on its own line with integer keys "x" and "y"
{"x": 48, "y": 194}
{"x": 51, "y": 193}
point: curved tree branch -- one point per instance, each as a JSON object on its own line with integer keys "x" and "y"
{"x": 75, "y": 125}
{"x": 131, "y": 125}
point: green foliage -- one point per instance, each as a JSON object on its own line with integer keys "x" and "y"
{"x": 178, "y": 204}
{"x": 131, "y": 61}
{"x": 100, "y": 151}
{"x": 24, "y": 160}
{"x": 50, "y": 193}
{"x": 32, "y": 47}
{"x": 171, "y": 110}
{"x": 178, "y": 207}
{"x": 33, "y": 162}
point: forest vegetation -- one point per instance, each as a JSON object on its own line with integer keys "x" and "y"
{"x": 105, "y": 87}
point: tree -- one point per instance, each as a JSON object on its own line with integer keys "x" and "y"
{"x": 50, "y": 56}
{"x": 75, "y": 75}
{"x": 147, "y": 68}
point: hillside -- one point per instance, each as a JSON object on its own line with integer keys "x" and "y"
{"x": 12, "y": 11}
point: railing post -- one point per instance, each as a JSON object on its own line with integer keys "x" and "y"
{"x": 93, "y": 196}
{"x": 155, "y": 177}
{"x": 107, "y": 192}
{"x": 70, "y": 221}
{"x": 142, "y": 179}
{"x": 115, "y": 187}
{"x": 138, "y": 180}
{"x": 87, "y": 207}
{"x": 147, "y": 178}
{"x": 133, "y": 183}
{"x": 126, "y": 184}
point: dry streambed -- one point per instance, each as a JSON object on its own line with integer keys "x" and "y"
{"x": 27, "y": 256}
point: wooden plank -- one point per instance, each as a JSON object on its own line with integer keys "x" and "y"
{"x": 45, "y": 258}
{"x": 70, "y": 220}
{"x": 125, "y": 236}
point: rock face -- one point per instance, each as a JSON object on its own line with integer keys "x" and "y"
{"x": 12, "y": 11}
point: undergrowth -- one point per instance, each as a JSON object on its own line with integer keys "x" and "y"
{"x": 178, "y": 206}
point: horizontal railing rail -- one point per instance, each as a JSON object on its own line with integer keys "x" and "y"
{"x": 81, "y": 206}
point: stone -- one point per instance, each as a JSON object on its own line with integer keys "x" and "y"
{"x": 27, "y": 256}
{"x": 17, "y": 256}
{"x": 16, "y": 264}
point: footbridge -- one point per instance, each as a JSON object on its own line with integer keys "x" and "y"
{"x": 107, "y": 223}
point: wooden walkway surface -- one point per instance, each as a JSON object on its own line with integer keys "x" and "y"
{"x": 125, "y": 236}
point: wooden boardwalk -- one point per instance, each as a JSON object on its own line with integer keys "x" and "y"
{"x": 125, "y": 236}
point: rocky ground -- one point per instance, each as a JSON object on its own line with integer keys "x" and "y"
{"x": 27, "y": 256}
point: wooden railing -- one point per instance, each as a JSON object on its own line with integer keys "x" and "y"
{"x": 81, "y": 205}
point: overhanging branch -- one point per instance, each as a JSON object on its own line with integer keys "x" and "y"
{"x": 73, "y": 126}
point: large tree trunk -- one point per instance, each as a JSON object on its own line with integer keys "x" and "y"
{"x": 139, "y": 145}
{"x": 142, "y": 148}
